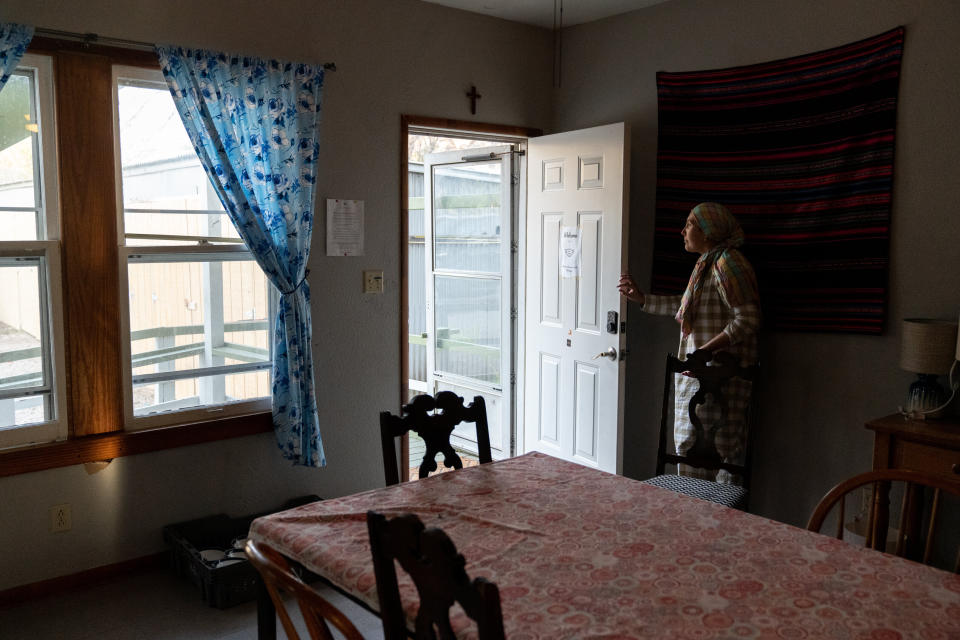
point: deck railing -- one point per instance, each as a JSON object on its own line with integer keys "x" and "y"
{"x": 165, "y": 350}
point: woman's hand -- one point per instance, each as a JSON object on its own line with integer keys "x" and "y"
{"x": 717, "y": 342}
{"x": 628, "y": 288}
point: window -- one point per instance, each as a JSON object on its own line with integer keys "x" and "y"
{"x": 198, "y": 308}
{"x": 32, "y": 372}
{"x": 127, "y": 299}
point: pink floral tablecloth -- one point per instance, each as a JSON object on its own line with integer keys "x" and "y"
{"x": 578, "y": 553}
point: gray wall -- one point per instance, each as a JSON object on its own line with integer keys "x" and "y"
{"x": 402, "y": 56}
{"x": 818, "y": 389}
{"x": 393, "y": 57}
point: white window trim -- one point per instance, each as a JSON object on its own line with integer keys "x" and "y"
{"x": 49, "y": 249}
{"x": 226, "y": 248}
{"x": 174, "y": 415}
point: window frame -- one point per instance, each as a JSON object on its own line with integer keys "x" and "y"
{"x": 89, "y": 276}
{"x": 47, "y": 250}
{"x": 202, "y": 249}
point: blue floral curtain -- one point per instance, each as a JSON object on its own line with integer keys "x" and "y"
{"x": 14, "y": 39}
{"x": 254, "y": 126}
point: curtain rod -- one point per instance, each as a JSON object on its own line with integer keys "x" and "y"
{"x": 92, "y": 38}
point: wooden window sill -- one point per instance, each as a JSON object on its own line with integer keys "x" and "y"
{"x": 117, "y": 444}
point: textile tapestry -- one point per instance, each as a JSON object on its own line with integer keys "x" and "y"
{"x": 801, "y": 152}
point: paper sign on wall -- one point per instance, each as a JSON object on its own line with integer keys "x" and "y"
{"x": 570, "y": 252}
{"x": 344, "y": 227}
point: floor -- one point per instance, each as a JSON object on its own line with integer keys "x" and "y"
{"x": 157, "y": 605}
{"x": 154, "y": 605}
{"x": 418, "y": 447}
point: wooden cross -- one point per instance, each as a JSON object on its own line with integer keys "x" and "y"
{"x": 474, "y": 96}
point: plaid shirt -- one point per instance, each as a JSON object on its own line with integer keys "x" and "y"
{"x": 740, "y": 324}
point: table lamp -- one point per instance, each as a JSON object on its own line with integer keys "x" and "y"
{"x": 928, "y": 348}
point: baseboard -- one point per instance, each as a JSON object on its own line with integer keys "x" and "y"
{"x": 82, "y": 579}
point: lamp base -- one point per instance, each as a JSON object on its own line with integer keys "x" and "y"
{"x": 926, "y": 394}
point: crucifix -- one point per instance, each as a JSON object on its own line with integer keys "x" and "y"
{"x": 474, "y": 96}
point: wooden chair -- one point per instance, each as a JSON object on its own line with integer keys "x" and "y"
{"x": 279, "y": 578}
{"x": 911, "y": 539}
{"x": 703, "y": 453}
{"x": 437, "y": 570}
{"x": 434, "y": 429}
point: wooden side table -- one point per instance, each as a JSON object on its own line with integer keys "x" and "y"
{"x": 931, "y": 446}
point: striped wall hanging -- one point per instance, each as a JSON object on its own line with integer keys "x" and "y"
{"x": 801, "y": 151}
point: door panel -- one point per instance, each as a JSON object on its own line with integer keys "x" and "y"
{"x": 588, "y": 285}
{"x": 553, "y": 175}
{"x": 550, "y": 291}
{"x": 549, "y": 401}
{"x": 465, "y": 434}
{"x": 573, "y": 400}
{"x": 469, "y": 328}
{"x": 585, "y": 398}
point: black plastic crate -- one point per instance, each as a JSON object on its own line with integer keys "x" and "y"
{"x": 220, "y": 587}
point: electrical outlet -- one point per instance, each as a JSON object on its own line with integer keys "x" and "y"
{"x": 373, "y": 281}
{"x": 60, "y": 520}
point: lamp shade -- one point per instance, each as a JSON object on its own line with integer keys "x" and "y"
{"x": 928, "y": 346}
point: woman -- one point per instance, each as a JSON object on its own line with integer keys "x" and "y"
{"x": 718, "y": 311}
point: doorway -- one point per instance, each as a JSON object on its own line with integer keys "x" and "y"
{"x": 461, "y": 199}
{"x": 484, "y": 273}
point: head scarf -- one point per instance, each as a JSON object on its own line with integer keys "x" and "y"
{"x": 736, "y": 279}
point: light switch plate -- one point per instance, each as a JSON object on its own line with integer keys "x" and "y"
{"x": 373, "y": 281}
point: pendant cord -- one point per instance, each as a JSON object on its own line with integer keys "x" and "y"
{"x": 557, "y": 42}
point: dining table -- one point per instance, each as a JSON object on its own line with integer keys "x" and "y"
{"x": 581, "y": 553}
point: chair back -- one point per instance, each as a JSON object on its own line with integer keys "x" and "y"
{"x": 437, "y": 570}
{"x": 278, "y": 578}
{"x": 711, "y": 371}
{"x": 918, "y": 519}
{"x": 435, "y": 430}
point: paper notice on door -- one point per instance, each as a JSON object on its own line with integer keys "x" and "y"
{"x": 344, "y": 227}
{"x": 570, "y": 252}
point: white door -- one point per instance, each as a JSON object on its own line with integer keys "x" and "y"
{"x": 572, "y": 395}
{"x": 469, "y": 201}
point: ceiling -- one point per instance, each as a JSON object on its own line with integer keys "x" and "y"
{"x": 540, "y": 13}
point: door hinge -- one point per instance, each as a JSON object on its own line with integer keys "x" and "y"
{"x": 514, "y": 180}
{"x": 513, "y": 378}
{"x": 514, "y": 246}
{"x": 513, "y": 314}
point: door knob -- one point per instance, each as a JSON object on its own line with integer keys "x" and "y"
{"x": 609, "y": 353}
